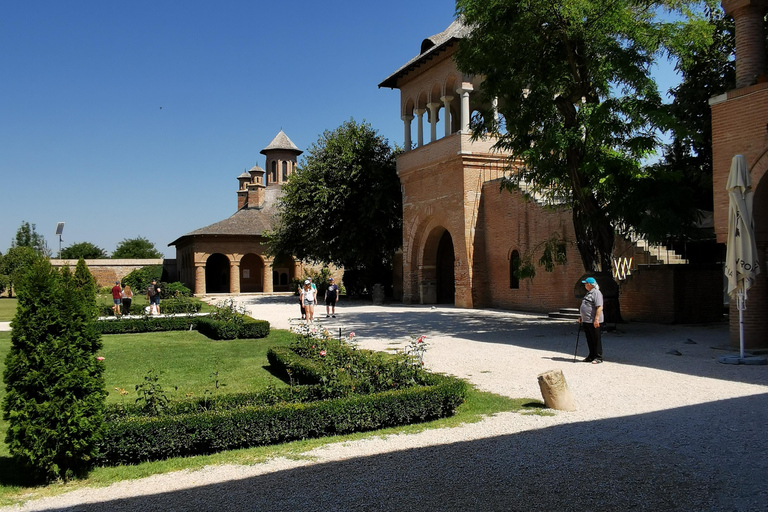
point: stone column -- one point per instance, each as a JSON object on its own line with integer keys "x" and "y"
{"x": 199, "y": 278}
{"x": 419, "y": 126}
{"x": 447, "y": 114}
{"x": 750, "y": 38}
{"x": 407, "y": 127}
{"x": 234, "y": 277}
{"x": 268, "y": 287}
{"x": 464, "y": 91}
{"x": 433, "y": 121}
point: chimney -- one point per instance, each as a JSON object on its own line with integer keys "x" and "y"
{"x": 750, "y": 39}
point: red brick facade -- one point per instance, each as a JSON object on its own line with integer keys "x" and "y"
{"x": 740, "y": 126}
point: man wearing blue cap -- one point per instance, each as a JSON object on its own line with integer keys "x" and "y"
{"x": 590, "y": 318}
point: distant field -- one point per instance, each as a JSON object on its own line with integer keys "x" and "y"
{"x": 7, "y": 309}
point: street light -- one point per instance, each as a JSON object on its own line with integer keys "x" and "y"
{"x": 59, "y": 231}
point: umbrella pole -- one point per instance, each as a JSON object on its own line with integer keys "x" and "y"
{"x": 740, "y": 305}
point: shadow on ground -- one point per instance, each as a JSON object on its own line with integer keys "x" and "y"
{"x": 655, "y": 461}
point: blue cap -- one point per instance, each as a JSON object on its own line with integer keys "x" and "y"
{"x": 590, "y": 280}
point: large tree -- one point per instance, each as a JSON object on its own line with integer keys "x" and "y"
{"x": 27, "y": 236}
{"x": 136, "y": 248}
{"x": 15, "y": 262}
{"x": 85, "y": 250}
{"x": 54, "y": 401}
{"x": 706, "y": 72}
{"x": 580, "y": 109}
{"x": 343, "y": 205}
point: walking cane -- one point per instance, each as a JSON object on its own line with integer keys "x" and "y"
{"x": 577, "y": 342}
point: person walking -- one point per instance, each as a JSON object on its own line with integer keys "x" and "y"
{"x": 117, "y": 295}
{"x": 301, "y": 302}
{"x": 153, "y": 296}
{"x": 127, "y": 298}
{"x": 590, "y": 318}
{"x": 309, "y": 299}
{"x": 331, "y": 298}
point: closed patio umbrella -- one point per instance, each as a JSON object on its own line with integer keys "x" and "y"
{"x": 741, "y": 262}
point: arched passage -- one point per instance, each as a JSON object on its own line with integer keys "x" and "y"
{"x": 446, "y": 283}
{"x": 283, "y": 271}
{"x": 217, "y": 274}
{"x": 438, "y": 280}
{"x": 251, "y": 273}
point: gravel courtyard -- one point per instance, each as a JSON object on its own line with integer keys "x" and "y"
{"x": 652, "y": 430}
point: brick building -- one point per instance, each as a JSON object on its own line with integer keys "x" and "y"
{"x": 463, "y": 236}
{"x": 739, "y": 126}
{"x": 228, "y": 256}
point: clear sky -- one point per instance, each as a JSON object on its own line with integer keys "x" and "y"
{"x": 126, "y": 119}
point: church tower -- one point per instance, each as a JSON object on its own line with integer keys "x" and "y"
{"x": 281, "y": 156}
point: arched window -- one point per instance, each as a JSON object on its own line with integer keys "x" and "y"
{"x": 285, "y": 171}
{"x": 514, "y": 266}
{"x": 273, "y": 173}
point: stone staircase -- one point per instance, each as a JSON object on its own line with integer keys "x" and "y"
{"x": 641, "y": 252}
{"x": 661, "y": 254}
{"x": 565, "y": 314}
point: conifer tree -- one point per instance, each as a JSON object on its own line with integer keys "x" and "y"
{"x": 55, "y": 389}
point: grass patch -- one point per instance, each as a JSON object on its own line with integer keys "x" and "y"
{"x": 7, "y": 308}
{"x": 185, "y": 359}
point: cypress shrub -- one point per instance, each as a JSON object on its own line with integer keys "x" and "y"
{"x": 55, "y": 388}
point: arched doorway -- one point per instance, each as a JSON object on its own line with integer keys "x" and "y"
{"x": 446, "y": 283}
{"x": 217, "y": 274}
{"x": 251, "y": 273}
{"x": 282, "y": 273}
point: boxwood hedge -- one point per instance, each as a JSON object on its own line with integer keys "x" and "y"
{"x": 136, "y": 439}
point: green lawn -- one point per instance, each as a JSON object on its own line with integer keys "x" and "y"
{"x": 7, "y": 309}
{"x": 187, "y": 361}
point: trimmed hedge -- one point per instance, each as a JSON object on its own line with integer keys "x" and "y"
{"x": 146, "y": 324}
{"x": 138, "y": 439}
{"x": 301, "y": 369}
{"x": 229, "y": 330}
{"x": 178, "y": 305}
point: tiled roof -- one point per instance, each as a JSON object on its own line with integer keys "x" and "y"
{"x": 281, "y": 141}
{"x": 246, "y": 221}
{"x": 430, "y": 47}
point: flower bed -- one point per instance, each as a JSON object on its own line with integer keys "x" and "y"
{"x": 348, "y": 390}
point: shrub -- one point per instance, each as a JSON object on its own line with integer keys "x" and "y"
{"x": 175, "y": 289}
{"x": 55, "y": 388}
{"x": 141, "y": 278}
{"x": 146, "y": 324}
{"x": 230, "y": 330}
{"x": 136, "y": 439}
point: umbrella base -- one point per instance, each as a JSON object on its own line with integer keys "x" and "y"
{"x": 752, "y": 360}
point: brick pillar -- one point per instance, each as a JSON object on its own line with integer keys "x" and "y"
{"x": 755, "y": 318}
{"x": 750, "y": 39}
{"x": 199, "y": 278}
{"x": 268, "y": 288}
{"x": 234, "y": 277}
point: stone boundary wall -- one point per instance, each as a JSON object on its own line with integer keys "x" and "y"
{"x": 107, "y": 271}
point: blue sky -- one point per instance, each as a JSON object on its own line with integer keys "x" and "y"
{"x": 83, "y": 139}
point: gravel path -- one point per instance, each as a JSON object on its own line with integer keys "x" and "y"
{"x": 653, "y": 431}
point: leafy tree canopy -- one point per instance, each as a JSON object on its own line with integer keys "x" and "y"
{"x": 136, "y": 248}
{"x": 27, "y": 236}
{"x": 344, "y": 204}
{"x": 705, "y": 72}
{"x": 580, "y": 109}
{"x": 16, "y": 262}
{"x": 85, "y": 250}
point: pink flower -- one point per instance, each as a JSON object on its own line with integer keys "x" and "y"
{"x": 313, "y": 346}
{"x": 421, "y": 339}
{"x": 322, "y": 353}
{"x": 99, "y": 358}
{"x": 351, "y": 335}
